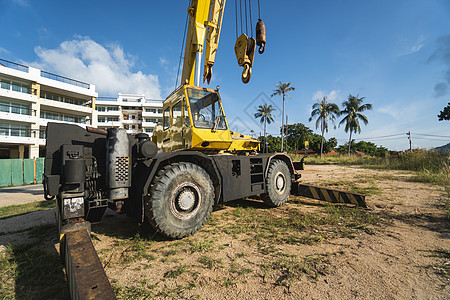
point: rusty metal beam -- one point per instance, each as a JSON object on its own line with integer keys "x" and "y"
{"x": 85, "y": 274}
{"x": 329, "y": 195}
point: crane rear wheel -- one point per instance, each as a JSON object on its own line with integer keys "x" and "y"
{"x": 181, "y": 200}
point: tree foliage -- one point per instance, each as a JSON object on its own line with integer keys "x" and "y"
{"x": 352, "y": 115}
{"x": 367, "y": 148}
{"x": 324, "y": 112}
{"x": 283, "y": 89}
{"x": 445, "y": 113}
{"x": 264, "y": 113}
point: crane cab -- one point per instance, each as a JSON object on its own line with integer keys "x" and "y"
{"x": 193, "y": 118}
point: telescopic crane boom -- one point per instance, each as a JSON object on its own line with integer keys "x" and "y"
{"x": 193, "y": 117}
{"x": 205, "y": 18}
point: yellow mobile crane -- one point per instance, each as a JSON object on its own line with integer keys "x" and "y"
{"x": 193, "y": 117}
{"x": 202, "y": 162}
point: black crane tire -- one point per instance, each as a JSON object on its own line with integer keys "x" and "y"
{"x": 181, "y": 200}
{"x": 278, "y": 183}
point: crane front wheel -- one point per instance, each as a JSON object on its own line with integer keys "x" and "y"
{"x": 278, "y": 183}
{"x": 181, "y": 200}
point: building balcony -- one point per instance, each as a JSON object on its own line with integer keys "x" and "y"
{"x": 46, "y": 78}
{"x": 18, "y": 95}
{"x": 151, "y": 114}
{"x": 110, "y": 124}
{"x": 18, "y": 117}
{"x": 44, "y": 122}
{"x": 17, "y": 135}
{"x": 135, "y": 121}
{"x": 149, "y": 124}
{"x": 66, "y": 106}
{"x": 115, "y": 113}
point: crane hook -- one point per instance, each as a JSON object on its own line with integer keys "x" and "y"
{"x": 261, "y": 36}
{"x": 246, "y": 73}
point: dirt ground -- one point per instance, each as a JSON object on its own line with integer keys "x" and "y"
{"x": 399, "y": 257}
{"x": 398, "y": 248}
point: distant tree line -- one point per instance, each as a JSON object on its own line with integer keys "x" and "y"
{"x": 323, "y": 111}
{"x": 298, "y": 133}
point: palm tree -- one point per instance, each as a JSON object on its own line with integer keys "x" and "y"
{"x": 283, "y": 89}
{"x": 352, "y": 112}
{"x": 324, "y": 111}
{"x": 265, "y": 115}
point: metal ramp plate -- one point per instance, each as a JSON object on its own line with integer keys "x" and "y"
{"x": 329, "y": 195}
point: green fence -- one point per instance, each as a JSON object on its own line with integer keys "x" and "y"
{"x": 21, "y": 171}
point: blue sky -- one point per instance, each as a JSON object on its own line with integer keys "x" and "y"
{"x": 396, "y": 54}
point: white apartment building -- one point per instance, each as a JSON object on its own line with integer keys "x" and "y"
{"x": 132, "y": 112}
{"x": 30, "y": 98}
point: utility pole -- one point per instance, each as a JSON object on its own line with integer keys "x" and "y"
{"x": 409, "y": 138}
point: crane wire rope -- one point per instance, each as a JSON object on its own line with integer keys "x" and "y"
{"x": 259, "y": 11}
{"x": 181, "y": 51}
{"x": 245, "y": 17}
{"x": 236, "y": 15}
{"x": 250, "y": 10}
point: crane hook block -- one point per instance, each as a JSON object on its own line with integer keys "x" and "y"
{"x": 261, "y": 36}
{"x": 245, "y": 53}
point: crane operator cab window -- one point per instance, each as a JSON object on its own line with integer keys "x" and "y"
{"x": 186, "y": 114}
{"x": 206, "y": 110}
{"x": 166, "y": 118}
{"x": 176, "y": 114}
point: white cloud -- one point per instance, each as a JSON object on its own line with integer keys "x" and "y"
{"x": 23, "y": 3}
{"x": 331, "y": 96}
{"x": 408, "y": 47}
{"x": 163, "y": 61}
{"x": 3, "y": 50}
{"x": 109, "y": 68}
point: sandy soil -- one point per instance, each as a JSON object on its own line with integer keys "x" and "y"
{"x": 398, "y": 258}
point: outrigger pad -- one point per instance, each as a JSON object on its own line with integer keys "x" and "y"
{"x": 329, "y": 195}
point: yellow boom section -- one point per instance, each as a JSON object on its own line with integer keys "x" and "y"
{"x": 205, "y": 18}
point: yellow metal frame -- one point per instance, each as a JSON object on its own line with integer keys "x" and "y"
{"x": 184, "y": 135}
{"x": 205, "y": 18}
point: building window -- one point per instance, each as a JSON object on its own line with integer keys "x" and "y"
{"x": 9, "y": 107}
{"x": 113, "y": 108}
{"x": 100, "y": 108}
{"x": 133, "y": 126}
{"x": 15, "y": 130}
{"x": 15, "y": 86}
{"x": 62, "y": 117}
{"x": 150, "y": 110}
{"x": 101, "y": 119}
{"x": 113, "y": 119}
{"x": 149, "y": 130}
{"x": 50, "y": 96}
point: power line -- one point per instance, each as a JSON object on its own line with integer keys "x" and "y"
{"x": 377, "y": 137}
{"x": 432, "y": 135}
{"x": 423, "y": 138}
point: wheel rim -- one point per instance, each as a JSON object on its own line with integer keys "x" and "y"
{"x": 280, "y": 183}
{"x": 185, "y": 201}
